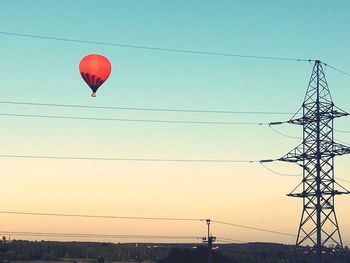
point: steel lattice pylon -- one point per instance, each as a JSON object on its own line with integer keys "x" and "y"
{"x": 315, "y": 155}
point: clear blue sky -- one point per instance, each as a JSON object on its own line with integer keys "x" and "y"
{"x": 47, "y": 71}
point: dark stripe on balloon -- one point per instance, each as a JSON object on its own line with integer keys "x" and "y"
{"x": 99, "y": 82}
{"x": 85, "y": 78}
{"x": 93, "y": 82}
{"x": 89, "y": 79}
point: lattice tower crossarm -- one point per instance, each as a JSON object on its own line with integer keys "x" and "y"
{"x": 318, "y": 224}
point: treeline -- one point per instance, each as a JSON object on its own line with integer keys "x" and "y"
{"x": 277, "y": 253}
{"x": 253, "y": 253}
{"x": 48, "y": 250}
{"x": 180, "y": 253}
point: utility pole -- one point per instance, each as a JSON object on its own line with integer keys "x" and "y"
{"x": 209, "y": 239}
{"x": 318, "y": 224}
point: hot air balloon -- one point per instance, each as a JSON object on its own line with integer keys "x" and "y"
{"x": 95, "y": 70}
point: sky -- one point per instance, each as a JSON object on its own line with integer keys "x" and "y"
{"x": 46, "y": 71}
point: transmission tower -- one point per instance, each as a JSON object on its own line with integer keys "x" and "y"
{"x": 318, "y": 224}
{"x": 210, "y": 240}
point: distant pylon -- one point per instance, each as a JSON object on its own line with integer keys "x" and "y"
{"x": 209, "y": 239}
{"x": 318, "y": 224}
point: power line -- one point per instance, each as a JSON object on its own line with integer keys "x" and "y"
{"x": 13, "y": 34}
{"x": 336, "y": 69}
{"x": 281, "y": 174}
{"x": 343, "y": 180}
{"x": 91, "y": 235}
{"x": 343, "y": 131}
{"x": 223, "y": 242}
{"x": 101, "y": 216}
{"x": 224, "y": 239}
{"x": 140, "y": 218}
{"x": 127, "y": 159}
{"x": 293, "y": 175}
{"x": 253, "y": 228}
{"x": 130, "y": 120}
{"x": 114, "y": 236}
{"x": 144, "y": 160}
{"x": 282, "y": 134}
{"x": 135, "y": 218}
{"x": 295, "y": 137}
{"x": 144, "y": 109}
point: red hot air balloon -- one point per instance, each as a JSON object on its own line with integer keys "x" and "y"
{"x": 95, "y": 70}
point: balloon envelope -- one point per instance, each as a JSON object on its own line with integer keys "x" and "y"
{"x": 95, "y": 70}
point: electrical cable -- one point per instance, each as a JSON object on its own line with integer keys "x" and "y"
{"x": 143, "y": 109}
{"x": 131, "y": 120}
{"x": 292, "y": 175}
{"x": 343, "y": 131}
{"x": 277, "y": 173}
{"x": 91, "y": 235}
{"x": 253, "y": 228}
{"x": 101, "y": 216}
{"x": 223, "y": 242}
{"x": 336, "y": 69}
{"x": 282, "y": 134}
{"x": 138, "y": 218}
{"x": 126, "y": 159}
{"x": 229, "y": 239}
{"x": 343, "y": 180}
{"x": 109, "y": 236}
{"x": 13, "y": 34}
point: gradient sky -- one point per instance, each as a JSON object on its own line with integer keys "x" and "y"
{"x": 46, "y": 71}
